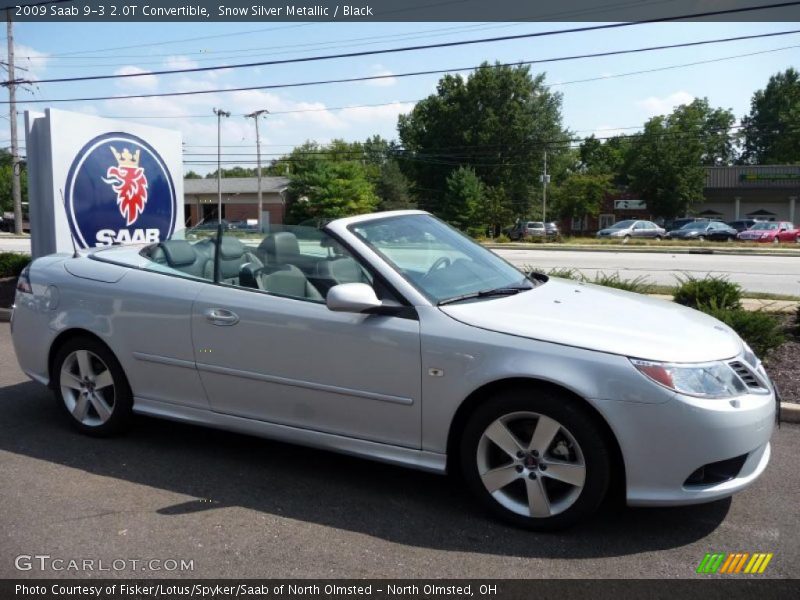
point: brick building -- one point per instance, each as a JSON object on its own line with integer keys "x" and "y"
{"x": 239, "y": 199}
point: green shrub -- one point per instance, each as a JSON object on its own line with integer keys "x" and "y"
{"x": 711, "y": 292}
{"x": 761, "y": 330}
{"x": 12, "y": 263}
{"x": 639, "y": 284}
{"x": 502, "y": 239}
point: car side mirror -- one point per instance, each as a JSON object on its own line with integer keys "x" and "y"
{"x": 352, "y": 297}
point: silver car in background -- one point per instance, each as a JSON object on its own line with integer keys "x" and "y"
{"x": 393, "y": 337}
{"x": 630, "y": 228}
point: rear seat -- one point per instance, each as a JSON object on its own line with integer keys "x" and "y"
{"x": 181, "y": 256}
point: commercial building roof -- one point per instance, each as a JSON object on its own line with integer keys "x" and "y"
{"x": 235, "y": 185}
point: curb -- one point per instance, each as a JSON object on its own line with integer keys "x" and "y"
{"x": 5, "y": 315}
{"x": 645, "y": 249}
{"x": 790, "y": 412}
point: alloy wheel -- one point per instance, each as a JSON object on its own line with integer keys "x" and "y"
{"x": 87, "y": 387}
{"x": 531, "y": 464}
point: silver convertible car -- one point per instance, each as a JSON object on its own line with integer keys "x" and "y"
{"x": 393, "y": 337}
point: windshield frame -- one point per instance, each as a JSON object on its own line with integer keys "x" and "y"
{"x": 433, "y": 300}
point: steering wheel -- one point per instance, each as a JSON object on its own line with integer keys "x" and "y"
{"x": 440, "y": 263}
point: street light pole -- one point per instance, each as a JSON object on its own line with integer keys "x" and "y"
{"x": 545, "y": 180}
{"x": 255, "y": 115}
{"x": 220, "y": 113}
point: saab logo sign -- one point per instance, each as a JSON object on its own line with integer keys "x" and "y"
{"x": 119, "y": 190}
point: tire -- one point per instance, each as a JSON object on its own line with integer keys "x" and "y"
{"x": 91, "y": 387}
{"x": 658, "y": 238}
{"x": 701, "y": 238}
{"x": 526, "y": 477}
{"x": 775, "y": 240}
{"x": 626, "y": 239}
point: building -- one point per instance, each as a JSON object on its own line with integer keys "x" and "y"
{"x": 768, "y": 192}
{"x": 239, "y": 199}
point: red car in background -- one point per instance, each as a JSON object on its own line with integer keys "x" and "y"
{"x": 771, "y": 231}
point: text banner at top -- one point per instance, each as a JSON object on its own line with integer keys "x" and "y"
{"x": 67, "y": 11}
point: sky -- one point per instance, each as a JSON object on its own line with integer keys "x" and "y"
{"x": 605, "y": 106}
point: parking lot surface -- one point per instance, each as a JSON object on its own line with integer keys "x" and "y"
{"x": 244, "y": 507}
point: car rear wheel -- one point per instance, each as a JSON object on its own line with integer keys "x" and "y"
{"x": 626, "y": 239}
{"x": 775, "y": 240}
{"x": 92, "y": 387}
{"x": 535, "y": 459}
{"x": 658, "y": 238}
{"x": 701, "y": 238}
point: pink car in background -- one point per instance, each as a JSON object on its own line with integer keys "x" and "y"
{"x": 772, "y": 231}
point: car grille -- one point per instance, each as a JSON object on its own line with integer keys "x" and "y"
{"x": 748, "y": 377}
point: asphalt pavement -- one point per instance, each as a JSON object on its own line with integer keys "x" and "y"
{"x": 772, "y": 274}
{"x": 244, "y": 507}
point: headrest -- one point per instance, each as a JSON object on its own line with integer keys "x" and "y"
{"x": 179, "y": 253}
{"x": 281, "y": 247}
{"x": 231, "y": 248}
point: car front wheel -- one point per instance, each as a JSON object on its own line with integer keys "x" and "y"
{"x": 535, "y": 459}
{"x": 91, "y": 387}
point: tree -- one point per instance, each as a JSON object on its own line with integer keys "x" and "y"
{"x": 609, "y": 157}
{"x": 581, "y": 194}
{"x": 236, "y": 171}
{"x": 665, "y": 162}
{"x": 498, "y": 121}
{"x": 393, "y": 188}
{"x": 192, "y": 175}
{"x": 771, "y": 132}
{"x": 465, "y": 192}
{"x": 6, "y": 199}
{"x": 492, "y": 211}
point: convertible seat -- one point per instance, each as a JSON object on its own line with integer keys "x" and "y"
{"x": 233, "y": 257}
{"x": 181, "y": 256}
{"x": 287, "y": 280}
{"x": 341, "y": 269}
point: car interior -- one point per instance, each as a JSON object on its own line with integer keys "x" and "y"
{"x": 279, "y": 264}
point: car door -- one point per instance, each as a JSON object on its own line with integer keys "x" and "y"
{"x": 639, "y": 230}
{"x": 292, "y": 361}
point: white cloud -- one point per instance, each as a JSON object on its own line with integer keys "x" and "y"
{"x": 387, "y": 112}
{"x": 659, "y": 106}
{"x": 145, "y": 82}
{"x": 180, "y": 62}
{"x": 386, "y": 75}
{"x": 31, "y": 60}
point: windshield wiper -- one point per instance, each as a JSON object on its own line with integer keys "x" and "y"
{"x": 501, "y": 291}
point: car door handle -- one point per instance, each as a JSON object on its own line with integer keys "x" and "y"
{"x": 221, "y": 316}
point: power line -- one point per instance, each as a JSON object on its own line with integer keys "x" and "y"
{"x": 410, "y": 101}
{"x": 413, "y": 73}
{"x": 422, "y": 47}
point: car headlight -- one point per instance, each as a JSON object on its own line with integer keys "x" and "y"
{"x": 708, "y": 380}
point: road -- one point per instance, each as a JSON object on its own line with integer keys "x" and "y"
{"x": 244, "y": 507}
{"x": 774, "y": 274}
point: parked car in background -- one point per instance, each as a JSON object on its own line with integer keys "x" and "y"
{"x": 704, "y": 230}
{"x": 527, "y": 229}
{"x": 773, "y": 232}
{"x": 742, "y": 224}
{"x": 7, "y": 222}
{"x": 676, "y": 224}
{"x": 631, "y": 228}
{"x": 543, "y": 393}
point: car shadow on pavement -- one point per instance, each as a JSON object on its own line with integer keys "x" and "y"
{"x": 222, "y": 469}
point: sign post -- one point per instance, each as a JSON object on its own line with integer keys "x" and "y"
{"x": 95, "y": 182}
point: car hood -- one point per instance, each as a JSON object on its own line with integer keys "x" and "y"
{"x": 603, "y": 319}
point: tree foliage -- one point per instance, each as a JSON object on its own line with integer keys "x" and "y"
{"x": 581, "y": 194}
{"x": 772, "y": 130}
{"x": 665, "y": 161}
{"x": 465, "y": 192}
{"x": 498, "y": 122}
{"x": 6, "y": 171}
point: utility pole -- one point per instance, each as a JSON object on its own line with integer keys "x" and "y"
{"x": 545, "y": 180}
{"x": 220, "y": 113}
{"x": 255, "y": 115}
{"x": 16, "y": 191}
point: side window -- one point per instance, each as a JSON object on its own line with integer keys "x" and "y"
{"x": 292, "y": 261}
{"x": 191, "y": 256}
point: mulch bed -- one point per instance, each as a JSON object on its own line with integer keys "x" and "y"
{"x": 783, "y": 366}
{"x": 7, "y": 289}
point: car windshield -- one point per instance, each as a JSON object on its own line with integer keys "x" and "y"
{"x": 765, "y": 226}
{"x": 696, "y": 225}
{"x": 438, "y": 260}
{"x": 622, "y": 225}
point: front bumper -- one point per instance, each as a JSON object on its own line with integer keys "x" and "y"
{"x": 664, "y": 444}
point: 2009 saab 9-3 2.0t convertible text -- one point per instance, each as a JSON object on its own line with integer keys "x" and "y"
{"x": 393, "y": 337}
